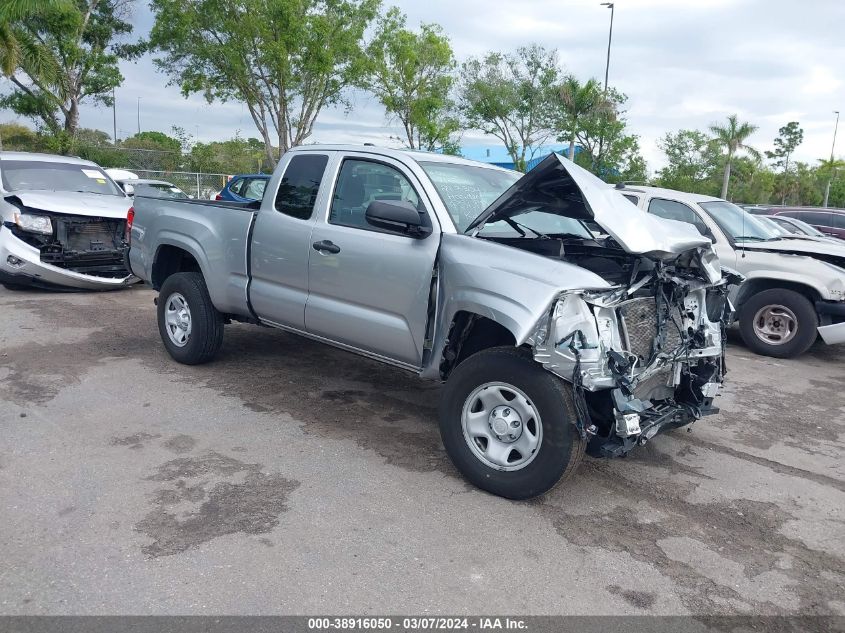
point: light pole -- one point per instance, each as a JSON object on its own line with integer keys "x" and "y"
{"x": 832, "y": 148}
{"x": 609, "y": 5}
{"x": 114, "y": 115}
{"x": 139, "y": 115}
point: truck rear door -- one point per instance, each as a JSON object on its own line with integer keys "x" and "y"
{"x": 368, "y": 287}
{"x": 281, "y": 240}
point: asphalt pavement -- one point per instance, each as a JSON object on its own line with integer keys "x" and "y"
{"x": 287, "y": 477}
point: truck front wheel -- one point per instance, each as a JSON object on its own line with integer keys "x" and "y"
{"x": 190, "y": 326}
{"x": 507, "y": 424}
{"x": 778, "y": 322}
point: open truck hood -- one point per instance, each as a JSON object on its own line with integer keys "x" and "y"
{"x": 560, "y": 186}
{"x": 72, "y": 203}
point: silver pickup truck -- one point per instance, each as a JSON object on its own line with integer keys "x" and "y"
{"x": 550, "y": 341}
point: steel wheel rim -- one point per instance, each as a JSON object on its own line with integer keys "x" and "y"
{"x": 502, "y": 426}
{"x": 775, "y": 324}
{"x": 177, "y": 319}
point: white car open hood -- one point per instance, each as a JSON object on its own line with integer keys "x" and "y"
{"x": 560, "y": 186}
{"x": 72, "y": 203}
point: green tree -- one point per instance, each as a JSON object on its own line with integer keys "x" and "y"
{"x": 692, "y": 159}
{"x": 609, "y": 149}
{"x": 751, "y": 181}
{"x": 789, "y": 137}
{"x": 411, "y": 74}
{"x": 17, "y": 137}
{"x": 284, "y": 59}
{"x": 731, "y": 138}
{"x": 827, "y": 170}
{"x": 66, "y": 55}
{"x": 151, "y": 150}
{"x": 580, "y": 102}
{"x": 511, "y": 97}
{"x": 234, "y": 156}
{"x": 12, "y": 13}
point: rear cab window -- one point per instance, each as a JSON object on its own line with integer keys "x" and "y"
{"x": 300, "y": 184}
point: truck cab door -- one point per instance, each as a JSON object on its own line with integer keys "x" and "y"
{"x": 369, "y": 287}
{"x": 281, "y": 240}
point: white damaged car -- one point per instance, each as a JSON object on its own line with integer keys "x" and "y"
{"x": 63, "y": 224}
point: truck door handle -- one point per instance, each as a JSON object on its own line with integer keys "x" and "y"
{"x": 326, "y": 246}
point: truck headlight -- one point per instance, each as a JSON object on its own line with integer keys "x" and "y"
{"x": 34, "y": 223}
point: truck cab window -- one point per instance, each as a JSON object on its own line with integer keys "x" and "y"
{"x": 298, "y": 191}
{"x": 361, "y": 182}
{"x": 671, "y": 210}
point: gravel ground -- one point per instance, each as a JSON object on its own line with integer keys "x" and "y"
{"x": 291, "y": 478}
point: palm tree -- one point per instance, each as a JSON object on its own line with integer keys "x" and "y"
{"x": 15, "y": 11}
{"x": 829, "y": 167}
{"x": 579, "y": 101}
{"x": 732, "y": 137}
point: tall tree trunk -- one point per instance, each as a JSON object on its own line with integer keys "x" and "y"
{"x": 572, "y": 148}
{"x": 72, "y": 117}
{"x": 727, "y": 177}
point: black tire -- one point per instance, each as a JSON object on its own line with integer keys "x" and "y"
{"x": 798, "y": 304}
{"x": 206, "y": 334}
{"x": 561, "y": 448}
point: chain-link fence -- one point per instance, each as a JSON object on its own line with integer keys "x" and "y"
{"x": 201, "y": 186}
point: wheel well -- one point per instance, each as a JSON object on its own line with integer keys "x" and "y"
{"x": 469, "y": 334}
{"x": 170, "y": 260}
{"x": 753, "y": 286}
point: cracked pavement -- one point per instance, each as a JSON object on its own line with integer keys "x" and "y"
{"x": 287, "y": 477}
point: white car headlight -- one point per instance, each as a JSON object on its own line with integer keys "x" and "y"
{"x": 34, "y": 223}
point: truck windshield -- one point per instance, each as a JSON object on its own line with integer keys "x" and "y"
{"x": 467, "y": 190}
{"x": 38, "y": 175}
{"x": 737, "y": 223}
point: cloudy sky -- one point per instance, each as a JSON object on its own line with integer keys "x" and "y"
{"x": 682, "y": 63}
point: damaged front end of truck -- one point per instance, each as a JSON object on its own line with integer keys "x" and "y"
{"x": 642, "y": 358}
{"x": 644, "y": 353}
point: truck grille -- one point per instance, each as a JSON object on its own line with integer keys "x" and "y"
{"x": 92, "y": 246}
{"x": 638, "y": 318}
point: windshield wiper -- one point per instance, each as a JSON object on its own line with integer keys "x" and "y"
{"x": 516, "y": 226}
{"x": 750, "y": 238}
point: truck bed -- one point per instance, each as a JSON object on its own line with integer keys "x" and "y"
{"x": 214, "y": 232}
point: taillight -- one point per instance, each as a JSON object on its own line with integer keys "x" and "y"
{"x": 130, "y": 218}
{"x": 218, "y": 197}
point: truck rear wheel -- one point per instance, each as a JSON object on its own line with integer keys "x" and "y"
{"x": 507, "y": 424}
{"x": 779, "y": 322}
{"x": 190, "y": 326}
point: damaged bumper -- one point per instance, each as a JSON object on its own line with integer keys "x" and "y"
{"x": 28, "y": 262}
{"x": 833, "y": 312}
{"x": 641, "y": 359}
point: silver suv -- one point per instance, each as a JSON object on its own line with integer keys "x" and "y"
{"x": 795, "y": 288}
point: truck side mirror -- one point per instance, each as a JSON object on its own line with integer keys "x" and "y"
{"x": 396, "y": 215}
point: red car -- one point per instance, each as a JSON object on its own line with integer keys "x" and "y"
{"x": 828, "y": 221}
